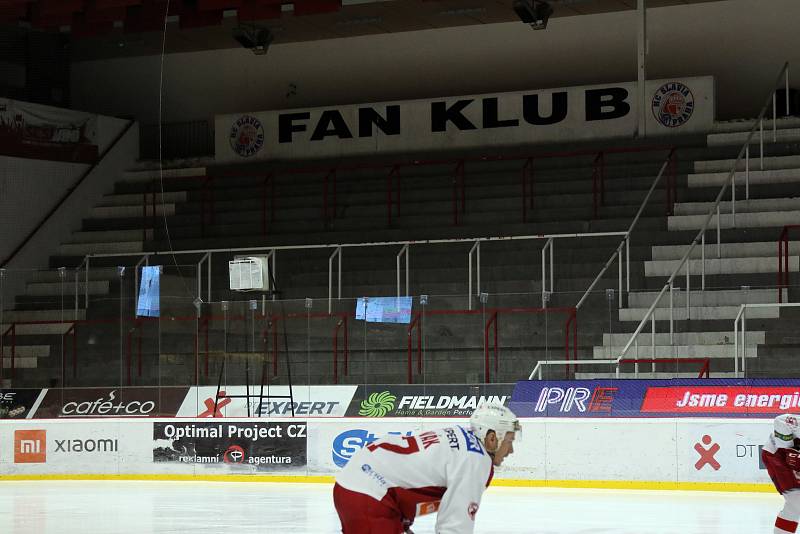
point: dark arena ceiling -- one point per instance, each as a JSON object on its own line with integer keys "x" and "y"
{"x": 122, "y": 28}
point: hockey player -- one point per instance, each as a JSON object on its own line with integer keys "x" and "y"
{"x": 390, "y": 482}
{"x": 782, "y": 460}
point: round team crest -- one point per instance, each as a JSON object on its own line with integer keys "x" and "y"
{"x": 247, "y": 136}
{"x": 673, "y": 104}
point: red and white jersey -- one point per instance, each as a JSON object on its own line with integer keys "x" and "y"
{"x": 787, "y": 426}
{"x": 444, "y": 470}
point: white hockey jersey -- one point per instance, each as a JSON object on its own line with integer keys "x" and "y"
{"x": 444, "y": 470}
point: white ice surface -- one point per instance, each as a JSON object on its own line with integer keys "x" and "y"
{"x": 245, "y": 508}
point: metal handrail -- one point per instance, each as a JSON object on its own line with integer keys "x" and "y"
{"x": 741, "y": 317}
{"x": 783, "y": 260}
{"x": 626, "y": 241}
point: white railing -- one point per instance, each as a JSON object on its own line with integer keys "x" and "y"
{"x": 700, "y": 237}
{"x": 402, "y": 260}
{"x": 740, "y": 329}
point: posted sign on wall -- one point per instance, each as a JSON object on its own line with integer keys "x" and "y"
{"x": 684, "y": 105}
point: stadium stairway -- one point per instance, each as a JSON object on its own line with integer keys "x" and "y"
{"x": 741, "y": 269}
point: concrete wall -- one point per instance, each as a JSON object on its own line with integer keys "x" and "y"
{"x": 743, "y": 43}
{"x": 30, "y": 188}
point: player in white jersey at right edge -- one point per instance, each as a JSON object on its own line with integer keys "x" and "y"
{"x": 390, "y": 482}
{"x": 781, "y": 457}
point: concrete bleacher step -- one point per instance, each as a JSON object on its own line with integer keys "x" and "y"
{"x": 685, "y": 338}
{"x": 760, "y": 249}
{"x": 672, "y": 351}
{"x": 742, "y": 206}
{"x": 11, "y": 316}
{"x": 147, "y": 175}
{"x": 133, "y": 199}
{"x": 783, "y": 135}
{"x": 756, "y": 177}
{"x": 119, "y": 212}
{"x": 770, "y": 163}
{"x": 647, "y": 375}
{"x": 744, "y": 125}
{"x": 709, "y": 298}
{"x": 114, "y": 247}
{"x": 20, "y": 362}
{"x": 109, "y": 236}
{"x": 698, "y": 313}
{"x": 768, "y": 219}
{"x": 97, "y": 287}
{"x": 720, "y": 266}
{"x": 27, "y": 351}
{"x": 42, "y": 329}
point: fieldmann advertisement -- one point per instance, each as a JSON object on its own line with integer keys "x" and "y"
{"x": 231, "y": 446}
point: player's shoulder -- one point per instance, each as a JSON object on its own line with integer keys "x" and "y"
{"x": 461, "y": 440}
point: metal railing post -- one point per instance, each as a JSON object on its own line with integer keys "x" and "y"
{"x": 671, "y": 316}
{"x": 337, "y": 253}
{"x": 703, "y": 263}
{"x": 747, "y": 172}
{"x": 775, "y": 117}
{"x": 787, "y": 89}
{"x": 403, "y": 252}
{"x": 761, "y": 140}
{"x": 744, "y": 342}
{"x": 653, "y": 340}
{"x": 619, "y": 274}
{"x": 476, "y": 248}
{"x": 719, "y": 235}
{"x": 688, "y": 293}
{"x": 736, "y": 344}
{"x": 628, "y": 262}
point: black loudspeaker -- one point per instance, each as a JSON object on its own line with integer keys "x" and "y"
{"x": 794, "y": 102}
{"x": 254, "y": 38}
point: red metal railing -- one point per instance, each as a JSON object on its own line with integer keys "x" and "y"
{"x": 392, "y": 194}
{"x": 704, "y": 370}
{"x": 783, "y": 260}
{"x": 598, "y": 183}
{"x": 329, "y": 191}
{"x": 459, "y": 192}
{"x": 527, "y": 188}
{"x": 207, "y": 202}
{"x": 267, "y": 190}
{"x": 570, "y": 350}
{"x": 271, "y": 331}
{"x": 329, "y": 199}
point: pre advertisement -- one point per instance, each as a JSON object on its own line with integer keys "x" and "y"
{"x": 482, "y": 122}
{"x": 255, "y": 446}
{"x": 425, "y": 401}
{"x": 111, "y": 402}
{"x": 19, "y": 403}
{"x": 656, "y": 398}
{"x": 233, "y": 401}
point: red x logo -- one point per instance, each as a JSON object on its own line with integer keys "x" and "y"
{"x": 707, "y": 455}
{"x": 209, "y": 402}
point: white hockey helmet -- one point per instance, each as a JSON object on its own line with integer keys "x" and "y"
{"x": 493, "y": 417}
{"x": 787, "y": 429}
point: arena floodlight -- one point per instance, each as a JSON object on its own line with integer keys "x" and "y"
{"x": 535, "y": 13}
{"x": 255, "y": 38}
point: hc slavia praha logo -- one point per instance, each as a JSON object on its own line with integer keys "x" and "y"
{"x": 673, "y": 104}
{"x": 247, "y": 136}
{"x": 30, "y": 446}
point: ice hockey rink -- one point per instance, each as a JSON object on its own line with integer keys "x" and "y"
{"x": 66, "y": 507}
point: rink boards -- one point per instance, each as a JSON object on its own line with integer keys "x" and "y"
{"x": 665, "y": 453}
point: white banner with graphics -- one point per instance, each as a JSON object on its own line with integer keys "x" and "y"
{"x": 316, "y": 401}
{"x": 674, "y": 106}
{"x": 669, "y": 451}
